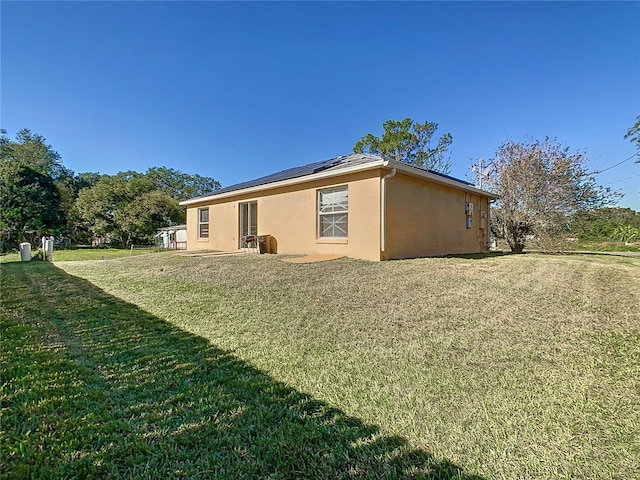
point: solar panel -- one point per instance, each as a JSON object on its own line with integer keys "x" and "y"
{"x": 300, "y": 171}
{"x": 316, "y": 167}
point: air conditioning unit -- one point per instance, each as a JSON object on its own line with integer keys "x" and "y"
{"x": 469, "y": 208}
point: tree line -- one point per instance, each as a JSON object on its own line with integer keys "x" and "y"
{"x": 546, "y": 193}
{"x": 39, "y": 196}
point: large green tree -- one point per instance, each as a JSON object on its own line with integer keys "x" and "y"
{"x": 410, "y": 142}
{"x": 542, "y": 185}
{"x": 40, "y": 196}
{"x": 96, "y": 206}
{"x": 31, "y": 150}
{"x": 179, "y": 185}
{"x": 130, "y": 206}
{"x": 29, "y": 205}
{"x": 99, "y": 208}
{"x": 142, "y": 217}
{"x": 34, "y": 189}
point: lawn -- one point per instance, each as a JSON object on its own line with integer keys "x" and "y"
{"x": 606, "y": 247}
{"x": 84, "y": 254}
{"x": 165, "y": 366}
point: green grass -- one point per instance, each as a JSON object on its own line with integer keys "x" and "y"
{"x": 577, "y": 246}
{"x": 84, "y": 254}
{"x": 605, "y": 247}
{"x": 248, "y": 367}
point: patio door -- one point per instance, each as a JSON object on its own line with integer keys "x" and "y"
{"x": 248, "y": 222}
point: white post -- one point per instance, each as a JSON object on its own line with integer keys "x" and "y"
{"x": 51, "y": 248}
{"x": 47, "y": 248}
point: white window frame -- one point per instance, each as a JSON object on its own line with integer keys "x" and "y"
{"x": 201, "y": 223}
{"x": 339, "y": 212}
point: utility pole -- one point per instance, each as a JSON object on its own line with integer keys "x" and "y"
{"x": 482, "y": 172}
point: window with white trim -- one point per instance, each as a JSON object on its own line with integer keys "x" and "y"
{"x": 333, "y": 212}
{"x": 203, "y": 222}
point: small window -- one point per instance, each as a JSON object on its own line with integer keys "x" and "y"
{"x": 333, "y": 212}
{"x": 203, "y": 222}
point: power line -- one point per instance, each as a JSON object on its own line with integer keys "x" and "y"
{"x": 612, "y": 166}
{"x": 483, "y": 171}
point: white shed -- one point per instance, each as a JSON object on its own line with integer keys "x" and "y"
{"x": 172, "y": 238}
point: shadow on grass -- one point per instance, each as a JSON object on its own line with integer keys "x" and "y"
{"x": 96, "y": 387}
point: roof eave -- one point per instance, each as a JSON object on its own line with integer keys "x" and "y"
{"x": 285, "y": 183}
{"x": 403, "y": 167}
{"x": 421, "y": 173}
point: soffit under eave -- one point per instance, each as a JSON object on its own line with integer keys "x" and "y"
{"x": 257, "y": 192}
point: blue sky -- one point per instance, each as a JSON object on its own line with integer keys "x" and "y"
{"x": 239, "y": 90}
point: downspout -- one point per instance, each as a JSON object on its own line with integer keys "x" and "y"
{"x": 383, "y": 209}
{"x": 489, "y": 202}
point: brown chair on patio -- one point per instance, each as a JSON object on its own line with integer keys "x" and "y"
{"x": 247, "y": 240}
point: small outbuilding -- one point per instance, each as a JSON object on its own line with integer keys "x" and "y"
{"x": 361, "y": 206}
{"x": 172, "y": 238}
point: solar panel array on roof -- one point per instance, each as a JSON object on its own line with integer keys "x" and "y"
{"x": 295, "y": 172}
{"x": 336, "y": 163}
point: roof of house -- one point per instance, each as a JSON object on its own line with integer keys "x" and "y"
{"x": 331, "y": 167}
{"x": 173, "y": 227}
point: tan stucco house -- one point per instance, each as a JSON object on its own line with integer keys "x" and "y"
{"x": 361, "y": 206}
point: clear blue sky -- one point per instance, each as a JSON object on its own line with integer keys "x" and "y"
{"x": 239, "y": 90}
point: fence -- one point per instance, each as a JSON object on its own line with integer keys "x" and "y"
{"x": 172, "y": 246}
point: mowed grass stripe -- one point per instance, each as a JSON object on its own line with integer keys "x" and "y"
{"x": 95, "y": 387}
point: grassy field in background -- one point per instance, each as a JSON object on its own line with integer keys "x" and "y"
{"x": 578, "y": 246}
{"x": 248, "y": 367}
{"x": 606, "y": 247}
{"x": 85, "y": 254}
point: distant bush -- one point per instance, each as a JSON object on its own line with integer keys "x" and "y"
{"x": 626, "y": 233}
{"x": 605, "y": 224}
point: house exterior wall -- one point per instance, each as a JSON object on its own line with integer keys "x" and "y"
{"x": 290, "y": 215}
{"x": 424, "y": 218}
